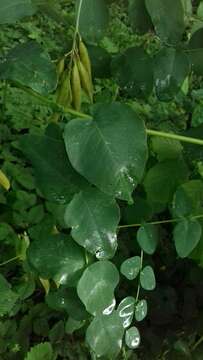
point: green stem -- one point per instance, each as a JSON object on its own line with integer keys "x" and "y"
{"x": 174, "y": 137}
{"x": 53, "y": 105}
{"x": 67, "y": 110}
{"x": 197, "y": 343}
{"x": 168, "y": 221}
{"x": 10, "y": 260}
{"x": 138, "y": 288}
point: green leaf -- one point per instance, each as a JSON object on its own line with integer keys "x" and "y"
{"x": 104, "y": 335}
{"x": 130, "y": 268}
{"x": 94, "y": 217}
{"x": 96, "y": 287}
{"x": 188, "y": 199}
{"x": 72, "y": 325}
{"x": 171, "y": 67}
{"x": 132, "y": 337}
{"x": 57, "y": 257}
{"x": 139, "y": 17}
{"x": 41, "y": 351}
{"x": 14, "y": 10}
{"x": 110, "y": 151}
{"x": 168, "y": 19}
{"x": 197, "y": 115}
{"x": 67, "y": 300}
{"x": 141, "y": 309}
{"x": 147, "y": 238}
{"x": 187, "y": 234}
{"x": 195, "y": 52}
{"x": 100, "y": 61}
{"x": 133, "y": 70}
{"x": 166, "y": 149}
{"x": 93, "y": 20}
{"x": 147, "y": 278}
{"x": 28, "y": 65}
{"x": 8, "y": 298}
{"x": 54, "y": 174}
{"x": 162, "y": 180}
{"x": 126, "y": 310}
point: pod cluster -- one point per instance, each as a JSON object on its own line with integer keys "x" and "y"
{"x": 74, "y": 78}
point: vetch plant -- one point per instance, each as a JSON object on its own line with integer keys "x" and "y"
{"x": 95, "y": 162}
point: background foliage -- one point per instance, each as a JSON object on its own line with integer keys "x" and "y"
{"x": 101, "y": 251}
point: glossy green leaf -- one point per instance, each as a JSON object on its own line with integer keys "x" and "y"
{"x": 110, "y": 151}
{"x": 104, "y": 335}
{"x": 28, "y": 65}
{"x": 141, "y": 309}
{"x": 147, "y": 238}
{"x": 139, "y": 17}
{"x": 133, "y": 70}
{"x": 94, "y": 17}
{"x": 94, "y": 217}
{"x": 187, "y": 234}
{"x": 132, "y": 337}
{"x": 54, "y": 174}
{"x": 96, "y": 287}
{"x": 14, "y": 10}
{"x": 130, "y": 268}
{"x": 171, "y": 67}
{"x": 188, "y": 199}
{"x": 162, "y": 180}
{"x": 126, "y": 310}
{"x": 57, "y": 257}
{"x": 168, "y": 19}
{"x": 41, "y": 352}
{"x": 67, "y": 300}
{"x": 8, "y": 297}
{"x": 195, "y": 51}
{"x": 147, "y": 278}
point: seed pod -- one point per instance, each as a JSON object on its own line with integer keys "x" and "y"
{"x": 64, "y": 96}
{"x": 76, "y": 87}
{"x": 60, "y": 67}
{"x": 4, "y": 181}
{"x": 84, "y": 57}
{"x": 85, "y": 80}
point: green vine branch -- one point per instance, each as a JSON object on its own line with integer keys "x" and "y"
{"x": 138, "y": 288}
{"x": 67, "y": 110}
{"x": 168, "y": 221}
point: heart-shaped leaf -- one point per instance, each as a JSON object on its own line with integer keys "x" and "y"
{"x": 96, "y": 287}
{"x": 94, "y": 217}
{"x": 110, "y": 151}
{"x": 187, "y": 234}
{"x": 104, "y": 335}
